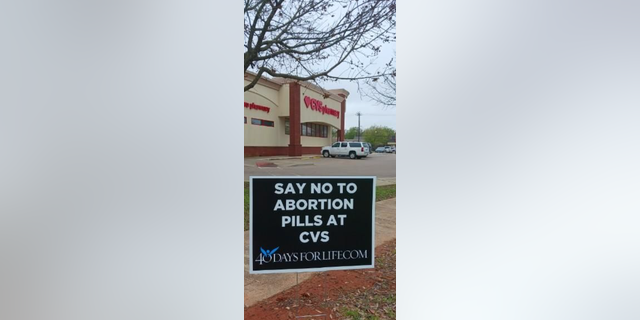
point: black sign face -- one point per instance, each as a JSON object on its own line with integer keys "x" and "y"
{"x": 304, "y": 224}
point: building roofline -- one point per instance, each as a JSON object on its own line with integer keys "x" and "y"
{"x": 249, "y": 76}
{"x": 338, "y": 95}
{"x": 335, "y": 94}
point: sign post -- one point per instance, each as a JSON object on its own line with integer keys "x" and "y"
{"x": 308, "y": 224}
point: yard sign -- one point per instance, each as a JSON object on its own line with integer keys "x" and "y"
{"x": 304, "y": 224}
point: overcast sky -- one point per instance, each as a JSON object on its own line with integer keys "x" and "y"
{"x": 372, "y": 113}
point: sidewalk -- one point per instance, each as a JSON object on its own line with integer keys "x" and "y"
{"x": 258, "y": 287}
{"x": 302, "y": 157}
{"x": 385, "y": 181}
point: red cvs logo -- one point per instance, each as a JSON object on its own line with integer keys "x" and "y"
{"x": 316, "y": 105}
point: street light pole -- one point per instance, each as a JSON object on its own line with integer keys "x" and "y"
{"x": 359, "y": 132}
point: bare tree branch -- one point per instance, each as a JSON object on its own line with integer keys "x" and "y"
{"x": 310, "y": 40}
{"x": 382, "y": 90}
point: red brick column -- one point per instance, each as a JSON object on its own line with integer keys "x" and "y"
{"x": 343, "y": 108}
{"x": 295, "y": 148}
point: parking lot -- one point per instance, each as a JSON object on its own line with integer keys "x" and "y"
{"x": 381, "y": 165}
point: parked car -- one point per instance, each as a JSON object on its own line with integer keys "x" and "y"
{"x": 354, "y": 150}
{"x": 380, "y": 150}
{"x": 370, "y": 147}
{"x": 388, "y": 149}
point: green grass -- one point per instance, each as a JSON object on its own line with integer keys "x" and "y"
{"x": 385, "y": 192}
{"x": 352, "y": 314}
{"x": 391, "y": 314}
{"x": 246, "y": 206}
{"x": 382, "y": 193}
{"x": 355, "y": 315}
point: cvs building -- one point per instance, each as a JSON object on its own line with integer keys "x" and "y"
{"x": 284, "y": 117}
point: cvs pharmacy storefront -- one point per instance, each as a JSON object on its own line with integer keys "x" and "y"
{"x": 287, "y": 118}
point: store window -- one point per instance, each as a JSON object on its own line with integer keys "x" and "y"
{"x": 314, "y": 130}
{"x": 260, "y": 122}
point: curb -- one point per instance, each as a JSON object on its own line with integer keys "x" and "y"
{"x": 292, "y": 158}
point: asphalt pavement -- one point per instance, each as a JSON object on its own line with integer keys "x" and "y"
{"x": 381, "y": 165}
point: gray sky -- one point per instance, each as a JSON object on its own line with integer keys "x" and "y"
{"x": 372, "y": 113}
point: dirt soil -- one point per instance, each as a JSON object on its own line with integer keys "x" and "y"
{"x": 366, "y": 294}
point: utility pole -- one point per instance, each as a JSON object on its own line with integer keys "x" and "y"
{"x": 359, "y": 132}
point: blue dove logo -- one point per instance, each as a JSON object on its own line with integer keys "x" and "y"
{"x": 268, "y": 253}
